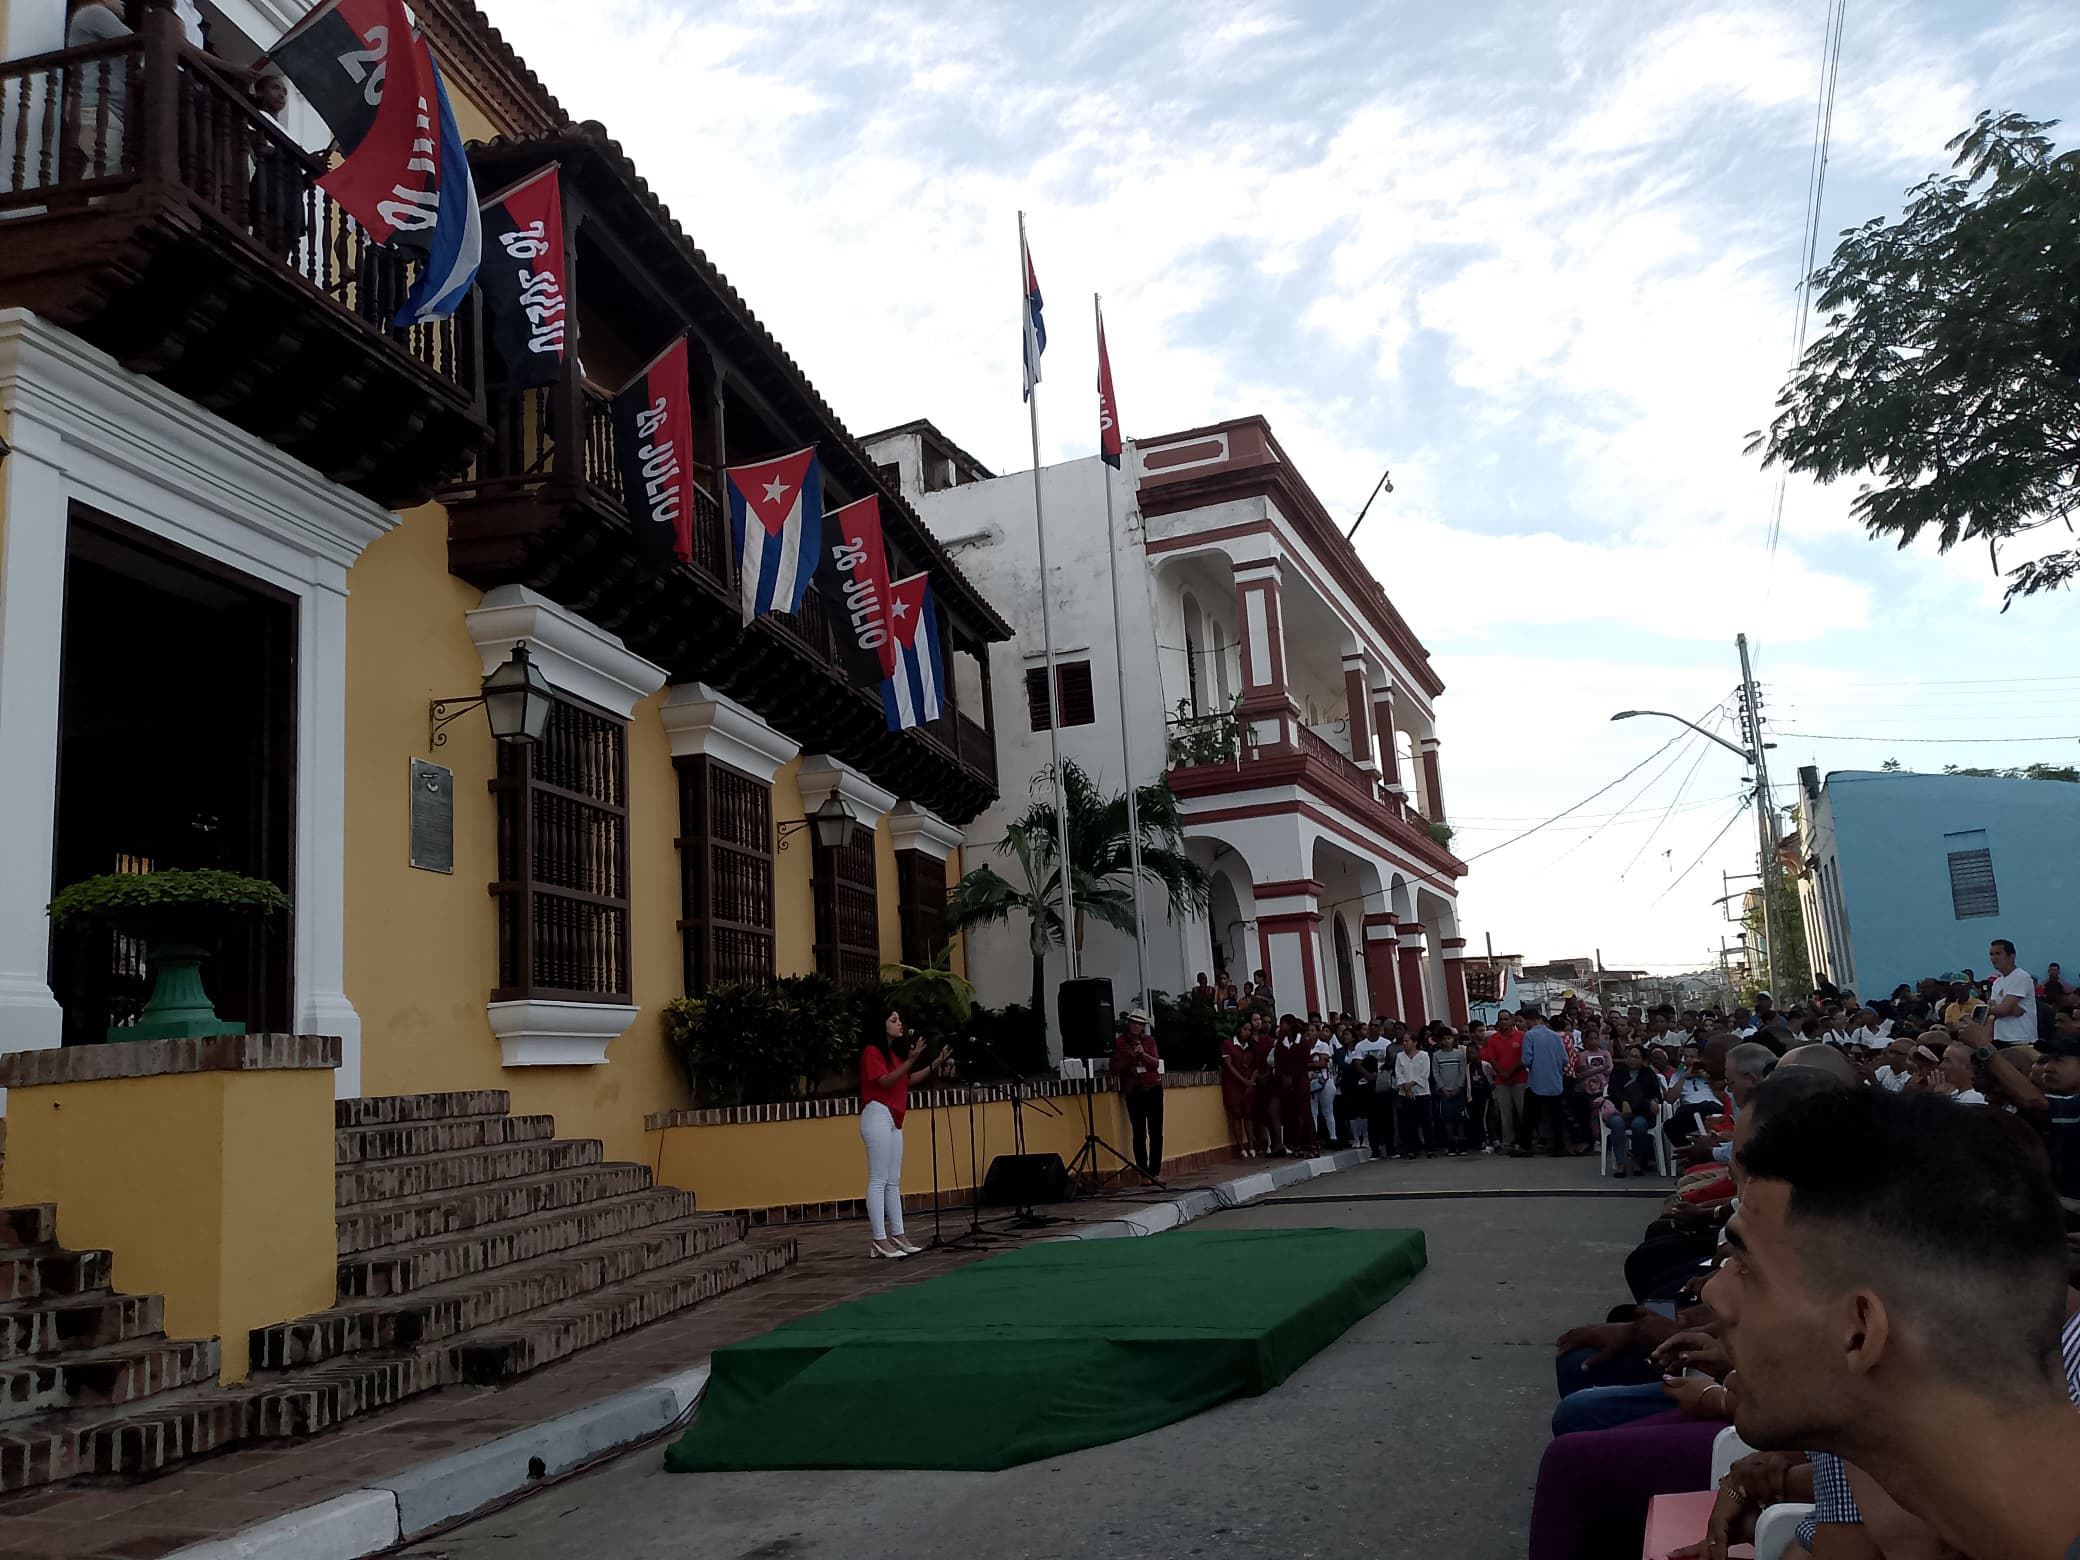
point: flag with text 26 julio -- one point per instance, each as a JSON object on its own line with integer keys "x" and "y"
{"x": 776, "y": 518}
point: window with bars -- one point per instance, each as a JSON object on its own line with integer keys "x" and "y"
{"x": 921, "y": 904}
{"x": 1073, "y": 682}
{"x": 848, "y": 917}
{"x": 1973, "y": 892}
{"x": 562, "y": 886}
{"x": 725, "y": 875}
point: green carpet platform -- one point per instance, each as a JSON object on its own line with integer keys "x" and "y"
{"x": 1043, "y": 1350}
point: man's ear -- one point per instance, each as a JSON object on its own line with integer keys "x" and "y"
{"x": 1866, "y": 1328}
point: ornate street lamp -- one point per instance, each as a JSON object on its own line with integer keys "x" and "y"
{"x": 516, "y": 699}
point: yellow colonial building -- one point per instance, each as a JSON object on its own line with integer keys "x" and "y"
{"x": 259, "y": 552}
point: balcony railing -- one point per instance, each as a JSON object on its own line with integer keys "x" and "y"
{"x": 523, "y": 452}
{"x": 81, "y": 127}
{"x": 1195, "y": 740}
{"x": 977, "y": 748}
{"x": 1313, "y": 742}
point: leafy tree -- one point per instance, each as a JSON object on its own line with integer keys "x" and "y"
{"x": 1786, "y": 971}
{"x": 1100, "y": 869}
{"x": 1949, "y": 371}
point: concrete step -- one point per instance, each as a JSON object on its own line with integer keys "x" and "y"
{"x": 395, "y": 1180}
{"x": 26, "y": 1229}
{"x": 111, "y": 1377}
{"x": 441, "y": 1311}
{"x": 33, "y": 1328}
{"x": 537, "y": 1339}
{"x": 136, "y": 1441}
{"x": 39, "y": 1275}
{"x": 415, "y": 1139}
{"x": 396, "y": 1270}
{"x": 367, "y": 1227}
{"x": 381, "y": 1110}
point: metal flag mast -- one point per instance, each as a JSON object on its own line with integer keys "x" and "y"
{"x": 1106, "y": 408}
{"x": 1029, "y": 334}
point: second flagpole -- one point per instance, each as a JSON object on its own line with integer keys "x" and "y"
{"x": 1119, "y": 662}
{"x": 1054, "y": 702}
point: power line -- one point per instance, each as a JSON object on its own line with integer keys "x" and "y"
{"x": 1823, "y": 736}
{"x": 1584, "y": 802}
{"x": 1739, "y": 814}
{"x": 1652, "y": 781}
{"x": 1702, "y": 750}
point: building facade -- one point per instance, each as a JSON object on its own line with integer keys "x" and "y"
{"x": 1904, "y": 876}
{"x": 258, "y": 551}
{"x": 1266, "y": 674}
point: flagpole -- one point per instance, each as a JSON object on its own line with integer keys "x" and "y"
{"x": 1054, "y": 703}
{"x": 1119, "y": 664}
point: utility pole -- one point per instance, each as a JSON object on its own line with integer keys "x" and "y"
{"x": 1765, "y": 804}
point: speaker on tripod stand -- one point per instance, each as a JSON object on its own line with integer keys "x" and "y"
{"x": 1084, "y": 1008}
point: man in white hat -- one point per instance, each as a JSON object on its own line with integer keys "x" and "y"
{"x": 1139, "y": 1067}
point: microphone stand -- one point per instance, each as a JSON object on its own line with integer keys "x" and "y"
{"x": 971, "y": 1240}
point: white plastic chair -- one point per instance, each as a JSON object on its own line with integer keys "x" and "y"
{"x": 1727, "y": 1449}
{"x": 1776, "y": 1527}
{"x": 1661, "y": 1161}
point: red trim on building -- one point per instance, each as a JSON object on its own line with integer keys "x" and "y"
{"x": 1379, "y": 977}
{"x": 1354, "y": 692}
{"x": 1413, "y": 1011}
{"x": 1291, "y": 888}
{"x": 1312, "y": 774}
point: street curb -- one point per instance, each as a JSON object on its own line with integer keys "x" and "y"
{"x": 413, "y": 1502}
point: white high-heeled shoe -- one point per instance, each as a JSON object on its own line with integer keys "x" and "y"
{"x": 874, "y": 1249}
{"x": 908, "y": 1250}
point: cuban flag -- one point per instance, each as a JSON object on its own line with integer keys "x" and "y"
{"x": 455, "y": 247}
{"x": 910, "y": 694}
{"x": 776, "y": 514}
{"x": 1035, "y": 326}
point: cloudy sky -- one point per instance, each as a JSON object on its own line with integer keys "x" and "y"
{"x": 1539, "y": 259}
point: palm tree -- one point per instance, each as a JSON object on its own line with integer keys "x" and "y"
{"x": 1100, "y": 866}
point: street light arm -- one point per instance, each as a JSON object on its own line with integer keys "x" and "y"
{"x": 1746, "y": 756}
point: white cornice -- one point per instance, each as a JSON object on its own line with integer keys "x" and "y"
{"x": 821, "y": 774}
{"x": 60, "y": 393}
{"x": 697, "y": 719}
{"x": 558, "y": 1034}
{"x": 577, "y": 656}
{"x": 912, "y": 828}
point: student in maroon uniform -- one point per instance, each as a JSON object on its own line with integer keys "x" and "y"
{"x": 1295, "y": 1103}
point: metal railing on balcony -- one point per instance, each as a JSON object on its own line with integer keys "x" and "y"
{"x": 978, "y": 749}
{"x": 1195, "y": 740}
{"x": 80, "y": 126}
{"x": 1314, "y": 743}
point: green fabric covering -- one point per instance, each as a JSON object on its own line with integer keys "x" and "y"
{"x": 1042, "y": 1350}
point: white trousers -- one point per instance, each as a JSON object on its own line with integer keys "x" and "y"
{"x": 884, "y": 1140}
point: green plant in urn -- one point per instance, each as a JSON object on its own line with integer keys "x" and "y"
{"x": 179, "y": 914}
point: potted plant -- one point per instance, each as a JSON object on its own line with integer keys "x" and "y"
{"x": 178, "y": 914}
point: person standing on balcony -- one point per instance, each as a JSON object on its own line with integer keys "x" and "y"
{"x": 886, "y": 1072}
{"x": 1139, "y": 1067}
{"x": 103, "y": 88}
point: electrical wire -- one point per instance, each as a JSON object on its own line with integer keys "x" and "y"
{"x": 1739, "y": 813}
{"x": 1703, "y": 748}
{"x": 1654, "y": 780}
{"x": 1584, "y": 802}
{"x": 1826, "y": 736}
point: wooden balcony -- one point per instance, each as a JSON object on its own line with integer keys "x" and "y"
{"x": 148, "y": 206}
{"x": 543, "y": 508}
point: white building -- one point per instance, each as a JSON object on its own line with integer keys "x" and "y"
{"x": 1266, "y": 672}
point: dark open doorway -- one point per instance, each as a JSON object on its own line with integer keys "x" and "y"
{"x": 176, "y": 748}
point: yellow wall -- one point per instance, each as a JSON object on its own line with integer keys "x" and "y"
{"x": 781, "y": 1163}
{"x": 213, "y": 1189}
{"x": 794, "y": 902}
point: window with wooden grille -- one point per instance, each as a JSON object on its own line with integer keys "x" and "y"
{"x": 562, "y": 886}
{"x": 1973, "y": 892}
{"x": 848, "y": 917}
{"x": 725, "y": 875}
{"x": 921, "y": 904}
{"x": 1073, "y": 681}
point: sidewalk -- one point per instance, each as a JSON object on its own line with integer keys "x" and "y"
{"x": 357, "y": 1490}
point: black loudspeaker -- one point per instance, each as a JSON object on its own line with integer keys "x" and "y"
{"x": 1085, "y": 1010}
{"x": 1020, "y": 1180}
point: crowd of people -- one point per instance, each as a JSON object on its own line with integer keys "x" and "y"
{"x": 1865, "y": 1269}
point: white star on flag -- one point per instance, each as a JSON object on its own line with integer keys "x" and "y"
{"x": 899, "y": 608}
{"x": 775, "y": 491}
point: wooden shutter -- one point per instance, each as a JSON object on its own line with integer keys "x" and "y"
{"x": 848, "y": 915}
{"x": 725, "y": 875}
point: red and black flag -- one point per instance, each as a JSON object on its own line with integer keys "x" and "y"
{"x": 370, "y": 76}
{"x": 1108, "y": 409}
{"x": 856, "y": 593}
{"x": 653, "y": 441}
{"x": 523, "y": 277}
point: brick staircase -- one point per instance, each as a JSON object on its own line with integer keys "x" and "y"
{"x": 474, "y": 1247}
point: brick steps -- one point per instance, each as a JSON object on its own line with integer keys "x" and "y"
{"x": 399, "y": 1269}
{"x": 397, "y": 1179}
{"x": 365, "y": 1228}
{"x": 415, "y": 1139}
{"x": 474, "y": 1246}
{"x": 111, "y": 1377}
{"x": 461, "y": 1305}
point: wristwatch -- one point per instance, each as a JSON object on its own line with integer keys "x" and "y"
{"x": 1983, "y": 1055}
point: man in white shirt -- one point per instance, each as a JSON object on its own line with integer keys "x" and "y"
{"x": 2011, "y": 999}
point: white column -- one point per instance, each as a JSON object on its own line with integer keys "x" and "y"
{"x": 322, "y": 1007}
{"x": 32, "y": 604}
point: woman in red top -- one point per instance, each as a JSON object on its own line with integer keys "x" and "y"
{"x": 886, "y": 1072}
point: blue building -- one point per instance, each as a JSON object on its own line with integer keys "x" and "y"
{"x": 1907, "y": 875}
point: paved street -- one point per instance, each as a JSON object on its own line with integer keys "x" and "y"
{"x": 1415, "y": 1434}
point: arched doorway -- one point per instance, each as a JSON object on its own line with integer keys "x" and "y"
{"x": 1346, "y": 982}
